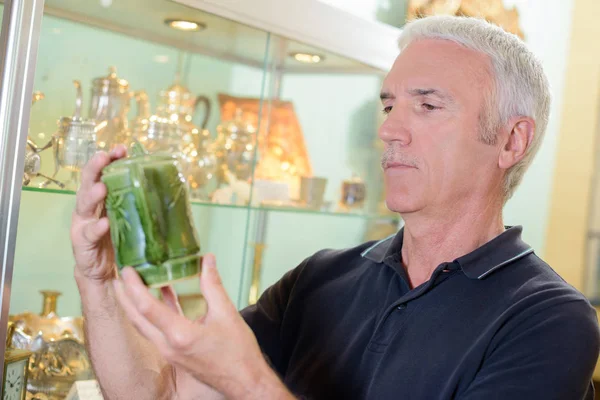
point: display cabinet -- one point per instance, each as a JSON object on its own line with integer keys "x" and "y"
{"x": 272, "y": 106}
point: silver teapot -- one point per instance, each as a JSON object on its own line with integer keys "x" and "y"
{"x": 180, "y": 105}
{"x": 200, "y": 165}
{"x": 171, "y": 130}
{"x": 156, "y": 133}
{"x": 109, "y": 107}
{"x": 234, "y": 148}
{"x": 74, "y": 142}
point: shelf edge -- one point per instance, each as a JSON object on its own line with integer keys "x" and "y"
{"x": 314, "y": 23}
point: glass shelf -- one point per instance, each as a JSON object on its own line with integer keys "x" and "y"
{"x": 282, "y": 209}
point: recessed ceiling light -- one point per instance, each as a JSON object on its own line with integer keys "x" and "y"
{"x": 185, "y": 24}
{"x": 161, "y": 59}
{"x": 307, "y": 58}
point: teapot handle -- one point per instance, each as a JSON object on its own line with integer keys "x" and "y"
{"x": 207, "y": 106}
{"x": 143, "y": 105}
{"x": 10, "y": 333}
{"x": 78, "y": 99}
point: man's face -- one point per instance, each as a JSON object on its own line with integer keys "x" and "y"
{"x": 434, "y": 98}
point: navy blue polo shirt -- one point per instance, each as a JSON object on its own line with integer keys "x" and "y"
{"x": 497, "y": 323}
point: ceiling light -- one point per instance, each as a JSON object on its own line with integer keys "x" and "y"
{"x": 307, "y": 58}
{"x": 161, "y": 58}
{"x": 185, "y": 25}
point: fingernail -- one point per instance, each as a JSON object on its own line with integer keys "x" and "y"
{"x": 127, "y": 273}
{"x": 208, "y": 261}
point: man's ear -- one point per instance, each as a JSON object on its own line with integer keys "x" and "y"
{"x": 514, "y": 146}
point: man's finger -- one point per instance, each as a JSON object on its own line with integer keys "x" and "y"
{"x": 95, "y": 230}
{"x": 88, "y": 200}
{"x": 172, "y": 325}
{"x": 212, "y": 288}
{"x": 118, "y": 152}
{"x": 144, "y": 327}
{"x": 93, "y": 169}
{"x": 170, "y": 299}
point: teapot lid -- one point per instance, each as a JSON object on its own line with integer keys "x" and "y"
{"x": 76, "y": 127}
{"x": 111, "y": 81}
{"x": 175, "y": 94}
{"x": 176, "y": 88}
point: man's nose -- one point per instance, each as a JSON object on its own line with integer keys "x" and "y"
{"x": 395, "y": 129}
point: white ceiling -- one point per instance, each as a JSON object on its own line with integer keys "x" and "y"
{"x": 222, "y": 38}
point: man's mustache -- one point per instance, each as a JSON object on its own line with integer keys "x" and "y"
{"x": 393, "y": 157}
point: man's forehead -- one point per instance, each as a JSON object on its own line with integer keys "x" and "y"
{"x": 433, "y": 63}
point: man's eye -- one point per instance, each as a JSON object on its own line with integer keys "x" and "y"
{"x": 387, "y": 110}
{"x": 429, "y": 107}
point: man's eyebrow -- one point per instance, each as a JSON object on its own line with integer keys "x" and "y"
{"x": 432, "y": 92}
{"x": 386, "y": 96}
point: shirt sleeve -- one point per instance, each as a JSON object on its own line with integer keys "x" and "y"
{"x": 551, "y": 355}
{"x": 266, "y": 316}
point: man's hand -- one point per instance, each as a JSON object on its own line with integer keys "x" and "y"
{"x": 219, "y": 349}
{"x": 114, "y": 346}
{"x": 92, "y": 247}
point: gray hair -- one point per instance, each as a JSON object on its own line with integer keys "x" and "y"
{"x": 521, "y": 86}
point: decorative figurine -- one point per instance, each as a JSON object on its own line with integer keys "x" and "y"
{"x": 57, "y": 346}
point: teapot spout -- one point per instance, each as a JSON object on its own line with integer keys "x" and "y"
{"x": 37, "y": 96}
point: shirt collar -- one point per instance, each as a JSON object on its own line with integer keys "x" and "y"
{"x": 478, "y": 264}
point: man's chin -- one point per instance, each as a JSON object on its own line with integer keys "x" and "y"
{"x": 401, "y": 205}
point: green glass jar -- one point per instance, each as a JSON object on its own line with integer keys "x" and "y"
{"x": 150, "y": 217}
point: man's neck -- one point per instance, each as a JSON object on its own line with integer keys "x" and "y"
{"x": 431, "y": 240}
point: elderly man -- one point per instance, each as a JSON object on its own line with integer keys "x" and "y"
{"x": 454, "y": 306}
